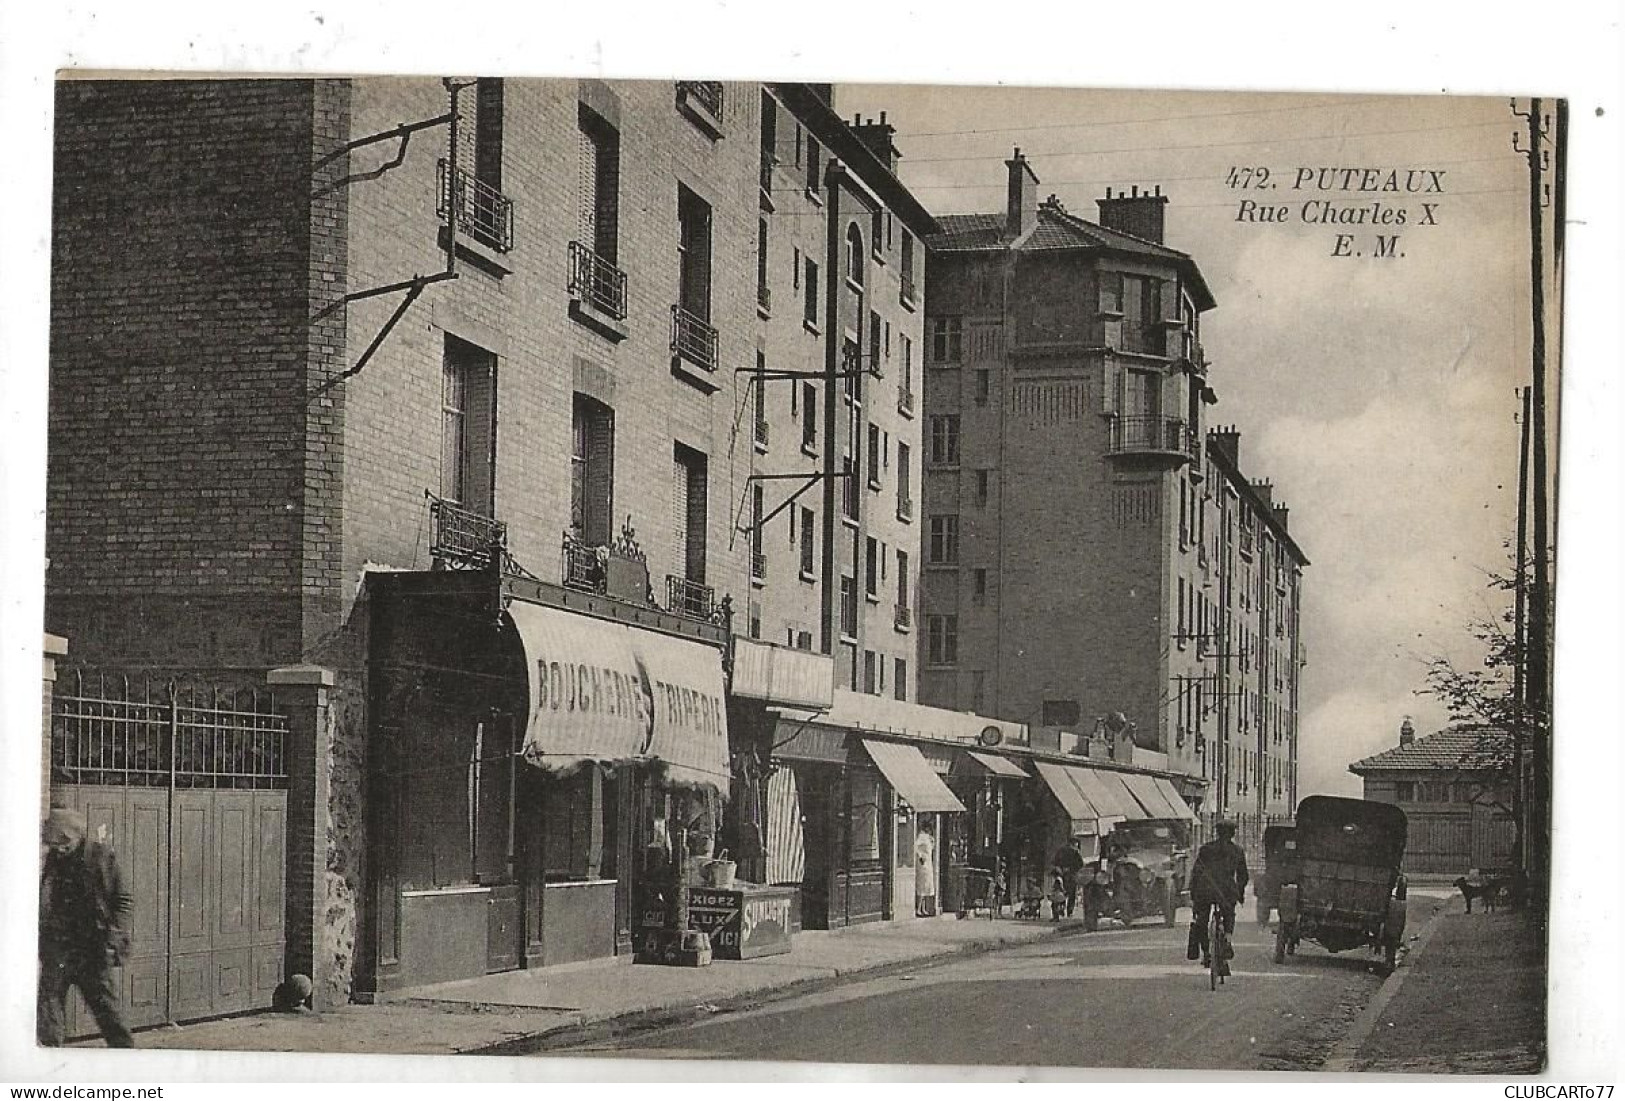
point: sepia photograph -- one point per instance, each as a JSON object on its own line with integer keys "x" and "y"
{"x": 701, "y": 573}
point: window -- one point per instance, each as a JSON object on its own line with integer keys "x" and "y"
{"x": 809, "y": 293}
{"x": 942, "y": 639}
{"x": 807, "y": 560}
{"x": 874, "y": 456}
{"x": 905, "y": 385}
{"x": 899, "y": 680}
{"x": 849, "y": 488}
{"x": 906, "y": 291}
{"x": 984, "y": 385}
{"x": 849, "y": 607}
{"x": 693, "y": 254}
{"x": 945, "y": 439}
{"x": 854, "y": 254}
{"x": 759, "y": 400}
{"x": 947, "y": 339}
{"x": 758, "y": 560}
{"x": 979, "y": 584}
{"x": 944, "y": 540}
{"x": 871, "y": 569}
{"x": 809, "y": 418}
{"x": 878, "y": 221}
{"x": 876, "y": 343}
{"x": 905, "y": 502}
{"x": 592, "y": 457}
{"x": 689, "y": 509}
{"x": 902, "y": 579}
{"x": 488, "y": 131}
{"x": 598, "y": 185}
{"x": 764, "y": 297}
{"x": 864, "y": 814}
{"x": 983, "y": 478}
{"x": 870, "y": 681}
{"x": 813, "y": 181}
{"x": 769, "y": 142}
{"x": 1062, "y": 713}
{"x": 467, "y": 418}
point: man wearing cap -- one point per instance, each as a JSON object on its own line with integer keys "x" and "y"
{"x": 84, "y": 927}
{"x": 1218, "y": 878}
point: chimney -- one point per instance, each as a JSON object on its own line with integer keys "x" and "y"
{"x": 1226, "y": 440}
{"x": 1021, "y": 207}
{"x": 876, "y": 137}
{"x": 1407, "y": 732}
{"x": 1280, "y": 515}
{"x": 1266, "y": 493}
{"x": 1134, "y": 214}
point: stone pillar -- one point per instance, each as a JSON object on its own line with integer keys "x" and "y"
{"x": 55, "y": 647}
{"x": 302, "y": 694}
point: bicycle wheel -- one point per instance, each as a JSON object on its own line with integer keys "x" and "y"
{"x": 1215, "y": 948}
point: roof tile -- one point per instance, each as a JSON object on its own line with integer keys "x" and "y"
{"x": 1446, "y": 749}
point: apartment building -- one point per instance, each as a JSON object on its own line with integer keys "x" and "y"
{"x": 1084, "y": 564}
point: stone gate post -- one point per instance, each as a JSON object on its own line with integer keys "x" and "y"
{"x": 302, "y": 694}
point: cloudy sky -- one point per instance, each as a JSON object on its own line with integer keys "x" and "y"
{"x": 1378, "y": 395}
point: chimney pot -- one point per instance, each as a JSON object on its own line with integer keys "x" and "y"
{"x": 1407, "y": 732}
{"x": 1021, "y": 197}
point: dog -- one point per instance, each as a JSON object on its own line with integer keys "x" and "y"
{"x": 1490, "y": 890}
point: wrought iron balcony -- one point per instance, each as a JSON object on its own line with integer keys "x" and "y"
{"x": 463, "y": 539}
{"x": 902, "y": 617}
{"x": 690, "y": 598}
{"x": 597, "y": 282}
{"x": 758, "y": 565}
{"x": 706, "y": 93}
{"x": 764, "y": 298}
{"x": 905, "y": 402}
{"x": 584, "y": 565}
{"x": 475, "y": 207}
{"x": 693, "y": 339}
{"x": 1138, "y": 434}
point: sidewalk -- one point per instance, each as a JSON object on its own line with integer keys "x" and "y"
{"x": 507, "y": 1013}
{"x": 1472, "y": 999}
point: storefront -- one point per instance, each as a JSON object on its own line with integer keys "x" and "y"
{"x": 531, "y": 768}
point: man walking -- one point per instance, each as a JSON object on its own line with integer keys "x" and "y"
{"x": 84, "y": 929}
{"x": 1069, "y": 862}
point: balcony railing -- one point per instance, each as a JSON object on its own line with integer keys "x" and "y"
{"x": 584, "y": 565}
{"x": 905, "y": 401}
{"x": 690, "y": 598}
{"x": 769, "y": 162}
{"x": 462, "y": 538}
{"x": 902, "y": 617}
{"x": 597, "y": 282}
{"x": 764, "y": 298}
{"x": 905, "y": 507}
{"x": 1141, "y": 338}
{"x": 693, "y": 339}
{"x": 706, "y": 93}
{"x": 762, "y": 433}
{"x": 475, "y": 207}
{"x": 758, "y": 565}
{"x": 1151, "y": 433}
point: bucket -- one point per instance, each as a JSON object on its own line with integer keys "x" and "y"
{"x": 719, "y": 873}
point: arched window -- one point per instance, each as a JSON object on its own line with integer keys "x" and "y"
{"x": 854, "y": 254}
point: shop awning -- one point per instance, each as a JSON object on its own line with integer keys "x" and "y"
{"x": 1150, "y": 796}
{"x": 602, "y": 691}
{"x": 1088, "y": 811}
{"x": 998, "y": 766}
{"x": 916, "y": 783}
{"x": 1182, "y": 809}
{"x": 781, "y": 676}
{"x": 1107, "y": 789}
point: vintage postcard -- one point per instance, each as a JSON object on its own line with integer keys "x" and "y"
{"x": 906, "y": 575}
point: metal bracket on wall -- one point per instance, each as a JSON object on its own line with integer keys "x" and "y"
{"x": 812, "y": 480}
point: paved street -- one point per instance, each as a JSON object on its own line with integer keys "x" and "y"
{"x": 1115, "y": 998}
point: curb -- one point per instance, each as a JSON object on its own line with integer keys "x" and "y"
{"x": 1340, "y": 1060}
{"x": 650, "y": 1018}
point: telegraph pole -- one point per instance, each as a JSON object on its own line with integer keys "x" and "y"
{"x": 1520, "y": 635}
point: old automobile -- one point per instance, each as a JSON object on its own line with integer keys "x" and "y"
{"x": 1139, "y": 871}
{"x": 1345, "y": 889}
{"x": 1280, "y": 858}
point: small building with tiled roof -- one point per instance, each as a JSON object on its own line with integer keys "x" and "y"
{"x": 1457, "y": 801}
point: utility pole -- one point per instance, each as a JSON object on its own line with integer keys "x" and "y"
{"x": 1520, "y": 636}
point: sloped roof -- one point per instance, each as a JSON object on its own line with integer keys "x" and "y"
{"x": 1444, "y": 750}
{"x": 1056, "y": 231}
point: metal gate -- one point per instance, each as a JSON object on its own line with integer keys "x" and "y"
{"x": 188, "y": 785}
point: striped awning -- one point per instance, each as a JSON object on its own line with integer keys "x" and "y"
{"x": 1107, "y": 789}
{"x": 1182, "y": 809}
{"x": 1150, "y": 796}
{"x": 998, "y": 766}
{"x": 1088, "y": 811}
{"x": 912, "y": 777}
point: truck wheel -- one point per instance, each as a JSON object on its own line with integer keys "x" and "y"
{"x": 1281, "y": 937}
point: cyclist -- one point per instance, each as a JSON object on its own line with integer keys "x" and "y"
{"x": 1218, "y": 878}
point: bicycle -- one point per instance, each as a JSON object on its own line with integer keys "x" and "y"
{"x": 1218, "y": 948}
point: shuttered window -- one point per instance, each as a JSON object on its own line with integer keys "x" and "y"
{"x": 689, "y": 510}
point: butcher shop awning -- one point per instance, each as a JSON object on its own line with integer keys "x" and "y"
{"x": 915, "y": 781}
{"x": 602, "y": 691}
{"x": 1084, "y": 804}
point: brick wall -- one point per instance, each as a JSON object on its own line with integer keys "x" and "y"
{"x": 186, "y": 523}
